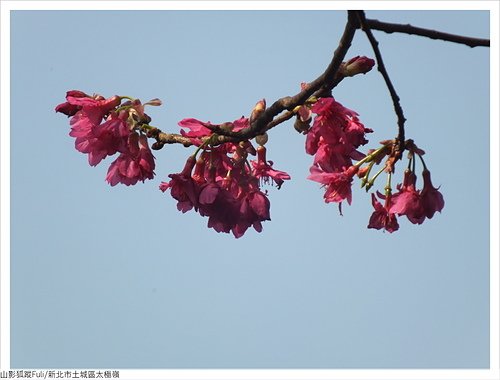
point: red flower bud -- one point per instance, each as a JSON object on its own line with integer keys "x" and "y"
{"x": 357, "y": 65}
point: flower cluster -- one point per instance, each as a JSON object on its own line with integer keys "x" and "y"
{"x": 222, "y": 179}
{"x": 333, "y": 139}
{"x": 222, "y": 184}
{"x": 416, "y": 205}
{"x": 103, "y": 127}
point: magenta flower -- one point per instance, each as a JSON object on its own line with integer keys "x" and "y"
{"x": 382, "y": 217}
{"x": 431, "y": 199}
{"x": 95, "y": 107}
{"x": 91, "y": 113}
{"x": 263, "y": 169}
{"x": 334, "y": 158}
{"x": 136, "y": 164}
{"x": 105, "y": 139}
{"x": 335, "y": 135}
{"x": 68, "y": 108}
{"x": 338, "y": 184}
{"x": 241, "y": 123}
{"x": 219, "y": 205}
{"x": 355, "y": 132}
{"x": 88, "y": 113}
{"x": 254, "y": 209}
{"x": 197, "y": 128}
{"x": 407, "y": 201}
{"x": 183, "y": 188}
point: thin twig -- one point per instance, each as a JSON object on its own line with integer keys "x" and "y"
{"x": 390, "y": 87}
{"x": 433, "y": 34}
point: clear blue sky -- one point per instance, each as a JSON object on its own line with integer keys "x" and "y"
{"x": 118, "y": 278}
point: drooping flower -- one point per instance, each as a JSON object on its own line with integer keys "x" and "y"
{"x": 407, "y": 201}
{"x": 219, "y": 205}
{"x": 335, "y": 135}
{"x": 338, "y": 184}
{"x": 430, "y": 197}
{"x": 254, "y": 209}
{"x": 103, "y": 127}
{"x": 104, "y": 139}
{"x": 68, "y": 108}
{"x": 263, "y": 169}
{"x": 382, "y": 217}
{"x": 135, "y": 164}
{"x": 90, "y": 114}
{"x": 183, "y": 188}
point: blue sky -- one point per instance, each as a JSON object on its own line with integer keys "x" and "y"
{"x": 118, "y": 278}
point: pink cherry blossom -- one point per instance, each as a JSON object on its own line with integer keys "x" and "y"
{"x": 183, "y": 188}
{"x": 105, "y": 139}
{"x": 219, "y": 205}
{"x": 263, "y": 169}
{"x": 382, "y": 217}
{"x": 90, "y": 115}
{"x": 70, "y": 109}
{"x": 335, "y": 135}
{"x": 431, "y": 199}
{"x": 87, "y": 114}
{"x": 136, "y": 164}
{"x": 197, "y": 128}
{"x": 254, "y": 209}
{"x": 407, "y": 201}
{"x": 241, "y": 123}
{"x": 338, "y": 184}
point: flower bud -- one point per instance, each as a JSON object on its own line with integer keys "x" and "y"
{"x": 302, "y": 126}
{"x": 357, "y": 65}
{"x": 259, "y": 108}
{"x": 154, "y": 102}
{"x": 157, "y": 145}
{"x": 262, "y": 139}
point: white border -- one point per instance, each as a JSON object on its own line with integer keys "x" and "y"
{"x": 387, "y": 374}
{"x": 5, "y": 187}
{"x": 494, "y": 188}
{"x": 246, "y": 5}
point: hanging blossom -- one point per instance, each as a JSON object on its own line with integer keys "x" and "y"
{"x": 383, "y": 217}
{"x": 333, "y": 139}
{"x": 417, "y": 205}
{"x": 104, "y": 127}
{"x": 223, "y": 184}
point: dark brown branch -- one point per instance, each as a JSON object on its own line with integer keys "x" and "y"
{"x": 433, "y": 34}
{"x": 394, "y": 96}
{"x": 321, "y": 85}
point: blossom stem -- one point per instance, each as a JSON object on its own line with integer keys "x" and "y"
{"x": 423, "y": 162}
{"x": 372, "y": 156}
{"x": 202, "y": 146}
{"x": 126, "y": 97}
{"x": 372, "y": 181}
{"x": 388, "y": 188}
{"x": 364, "y": 180}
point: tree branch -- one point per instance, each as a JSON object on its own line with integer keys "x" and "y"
{"x": 394, "y": 96}
{"x": 321, "y": 86}
{"x": 433, "y": 34}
